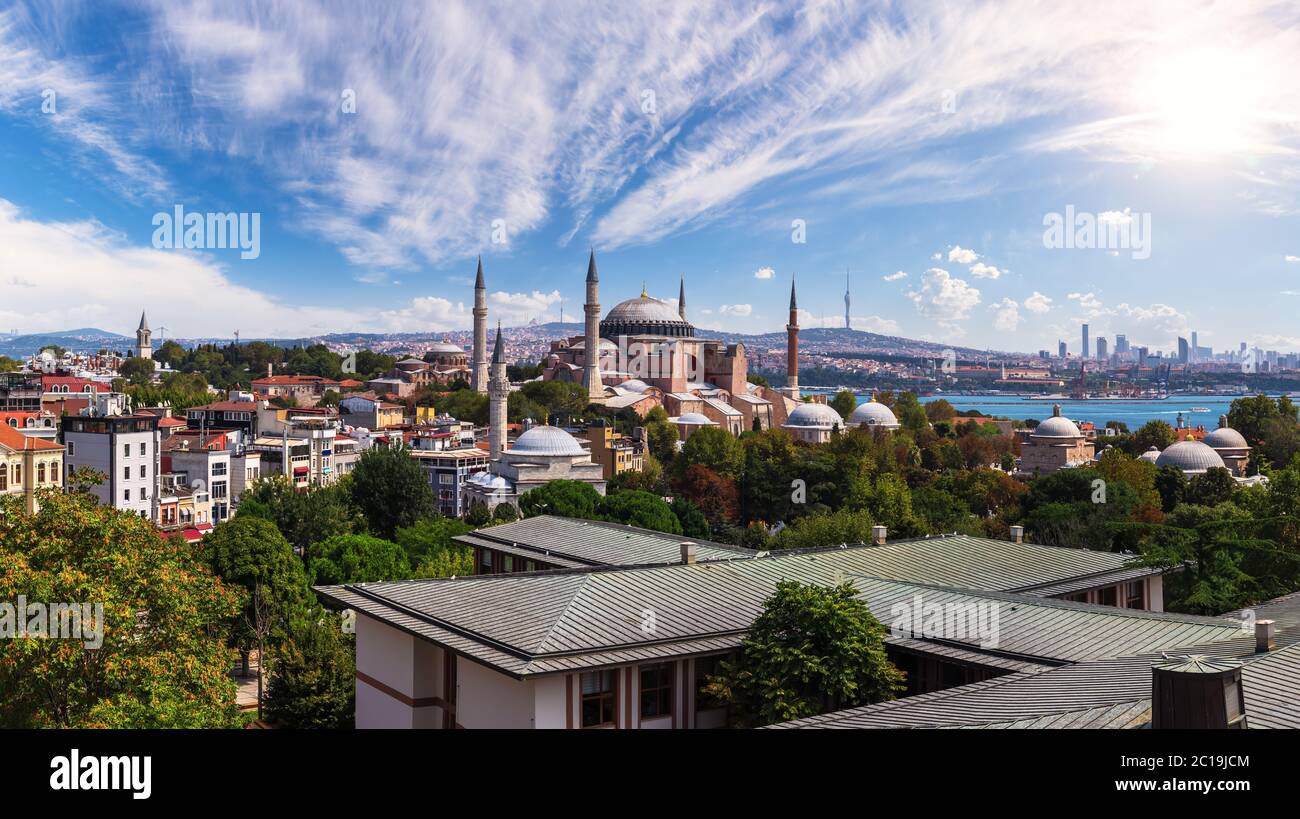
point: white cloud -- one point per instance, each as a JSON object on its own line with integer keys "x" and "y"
{"x": 1088, "y": 303}
{"x": 1038, "y": 303}
{"x": 1006, "y": 315}
{"x": 962, "y": 255}
{"x": 985, "y": 271}
{"x": 943, "y": 298}
{"x": 764, "y": 273}
{"x": 1292, "y": 259}
{"x": 893, "y": 277}
{"x": 736, "y": 309}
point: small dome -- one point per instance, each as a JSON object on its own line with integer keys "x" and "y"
{"x": 1151, "y": 455}
{"x": 1058, "y": 426}
{"x": 445, "y": 348}
{"x": 695, "y": 418}
{"x": 873, "y": 414}
{"x": 1225, "y": 437}
{"x": 820, "y": 416}
{"x": 1189, "y": 456}
{"x": 634, "y": 385}
{"x": 546, "y": 440}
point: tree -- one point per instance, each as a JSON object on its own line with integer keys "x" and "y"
{"x": 767, "y": 478}
{"x": 356, "y": 559}
{"x": 1156, "y": 434}
{"x": 715, "y": 495}
{"x": 714, "y": 448}
{"x": 1252, "y": 416}
{"x": 557, "y": 399}
{"x": 1171, "y": 484}
{"x": 814, "y": 649}
{"x": 939, "y": 410}
{"x": 692, "y": 520}
{"x": 505, "y": 513}
{"x": 137, "y": 371}
{"x": 844, "y": 402}
{"x": 166, "y": 670}
{"x": 755, "y": 378}
{"x": 303, "y": 518}
{"x": 431, "y": 550}
{"x": 826, "y": 529}
{"x": 661, "y": 435}
{"x": 313, "y": 676}
{"x": 1212, "y": 488}
{"x": 636, "y": 508}
{"x": 649, "y": 478}
{"x": 391, "y": 490}
{"x": 566, "y": 498}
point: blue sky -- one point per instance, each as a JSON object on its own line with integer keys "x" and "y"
{"x": 678, "y": 139}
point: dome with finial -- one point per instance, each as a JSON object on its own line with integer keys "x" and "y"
{"x": 1058, "y": 426}
{"x": 644, "y": 316}
{"x": 1191, "y": 456}
{"x": 873, "y": 414}
{"x": 819, "y": 416}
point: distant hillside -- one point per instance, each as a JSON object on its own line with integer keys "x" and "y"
{"x": 85, "y": 339}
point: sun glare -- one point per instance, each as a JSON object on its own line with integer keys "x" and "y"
{"x": 1201, "y": 104}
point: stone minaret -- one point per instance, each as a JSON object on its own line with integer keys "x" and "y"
{"x": 143, "y": 346}
{"x": 792, "y": 348}
{"x": 591, "y": 351}
{"x": 681, "y": 299}
{"x": 479, "y": 378}
{"x": 499, "y": 392}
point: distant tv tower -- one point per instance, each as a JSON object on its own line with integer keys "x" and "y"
{"x": 847, "y": 324}
{"x": 236, "y": 338}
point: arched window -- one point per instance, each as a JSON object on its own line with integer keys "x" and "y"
{"x": 4, "y": 477}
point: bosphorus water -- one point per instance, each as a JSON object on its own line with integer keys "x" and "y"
{"x": 1132, "y": 413}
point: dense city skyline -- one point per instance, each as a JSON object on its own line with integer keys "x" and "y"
{"x": 931, "y": 183}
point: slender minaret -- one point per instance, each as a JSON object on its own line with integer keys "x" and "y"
{"x": 143, "y": 346}
{"x": 591, "y": 351}
{"x": 847, "y": 323}
{"x": 681, "y": 299}
{"x": 792, "y": 348}
{"x": 499, "y": 395}
{"x": 479, "y": 378}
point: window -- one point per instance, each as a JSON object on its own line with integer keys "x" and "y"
{"x": 126, "y": 494}
{"x": 599, "y": 698}
{"x": 72, "y": 449}
{"x": 17, "y": 475}
{"x": 485, "y": 561}
{"x": 142, "y": 450}
{"x": 40, "y": 473}
{"x": 219, "y": 489}
{"x": 1134, "y": 594}
{"x": 126, "y": 450}
{"x": 1107, "y": 596}
{"x": 126, "y": 473}
{"x": 656, "y": 690}
{"x": 142, "y": 469}
{"x": 219, "y": 468}
{"x": 4, "y": 477}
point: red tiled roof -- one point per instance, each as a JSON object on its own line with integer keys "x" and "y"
{"x": 229, "y": 406}
{"x": 12, "y": 439}
{"x": 291, "y": 380}
{"x": 171, "y": 422}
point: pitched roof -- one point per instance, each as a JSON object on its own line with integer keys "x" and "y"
{"x": 574, "y": 543}
{"x": 536, "y": 622}
{"x": 16, "y": 441}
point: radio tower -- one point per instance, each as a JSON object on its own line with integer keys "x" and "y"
{"x": 847, "y": 325}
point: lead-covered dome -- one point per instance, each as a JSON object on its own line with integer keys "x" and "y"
{"x": 1058, "y": 426}
{"x": 1151, "y": 455}
{"x": 819, "y": 416}
{"x": 644, "y": 316}
{"x": 1225, "y": 437}
{"x": 1192, "y": 457}
{"x": 695, "y": 418}
{"x": 546, "y": 440}
{"x": 873, "y": 414}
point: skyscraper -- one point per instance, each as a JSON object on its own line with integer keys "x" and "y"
{"x": 1086, "y": 349}
{"x": 1183, "y": 354}
{"x": 1102, "y": 352}
{"x": 1193, "y": 352}
{"x": 1121, "y": 343}
{"x": 1060, "y": 349}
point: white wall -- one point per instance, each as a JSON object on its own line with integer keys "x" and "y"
{"x": 488, "y": 699}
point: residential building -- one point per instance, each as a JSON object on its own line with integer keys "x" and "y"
{"x": 449, "y": 472}
{"x": 370, "y": 412}
{"x": 240, "y": 415}
{"x": 28, "y": 464}
{"x": 615, "y": 453}
{"x": 125, "y": 449}
{"x": 35, "y": 424}
{"x": 207, "y": 466}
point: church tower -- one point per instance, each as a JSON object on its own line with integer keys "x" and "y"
{"x": 479, "y": 376}
{"x": 143, "y": 346}
{"x": 499, "y": 395}
{"x": 591, "y": 349}
{"x": 792, "y": 348}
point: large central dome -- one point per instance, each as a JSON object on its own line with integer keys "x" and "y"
{"x": 644, "y": 316}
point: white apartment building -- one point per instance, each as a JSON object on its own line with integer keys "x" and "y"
{"x": 125, "y": 450}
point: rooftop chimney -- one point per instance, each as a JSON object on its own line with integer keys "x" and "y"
{"x": 1264, "y": 633}
{"x": 688, "y": 553}
{"x": 1018, "y": 534}
{"x": 1197, "y": 692}
{"x": 878, "y": 535}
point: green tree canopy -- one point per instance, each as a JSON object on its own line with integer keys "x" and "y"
{"x": 636, "y": 508}
{"x": 391, "y": 490}
{"x": 313, "y": 675}
{"x": 431, "y": 551}
{"x": 569, "y": 499}
{"x": 844, "y": 402}
{"x": 168, "y": 669}
{"x": 356, "y": 559}
{"x": 303, "y": 518}
{"x": 814, "y": 649}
